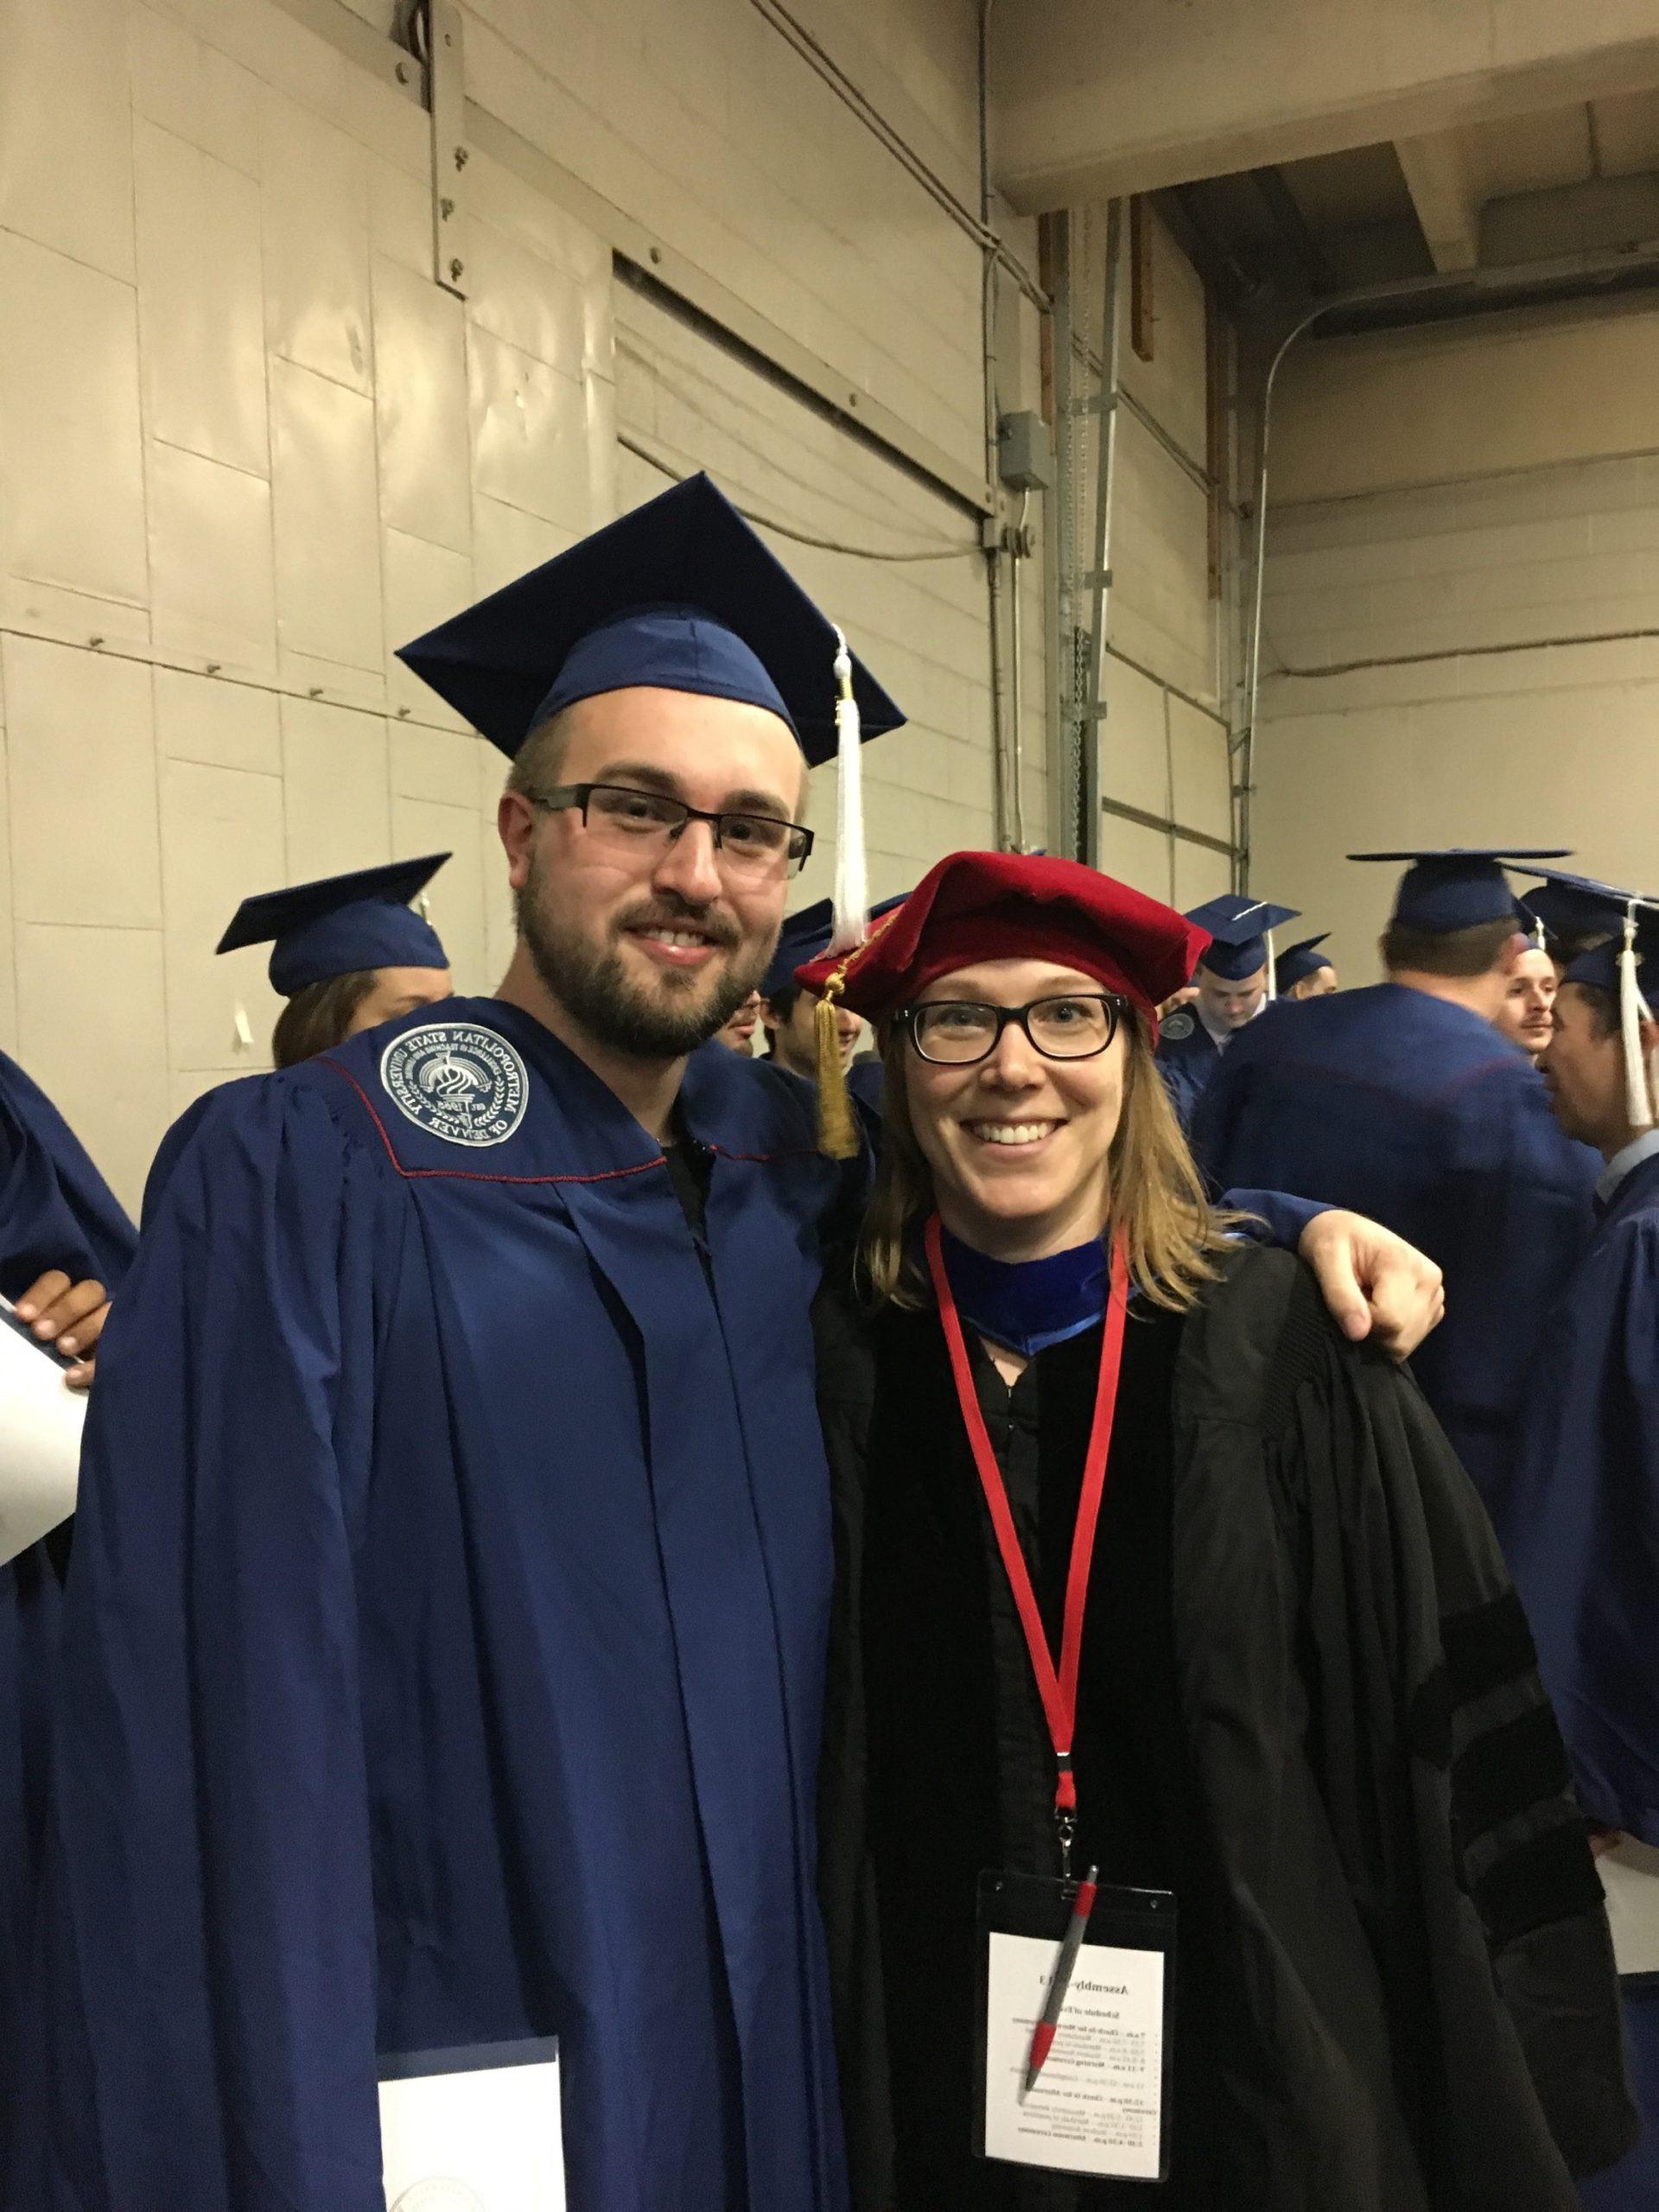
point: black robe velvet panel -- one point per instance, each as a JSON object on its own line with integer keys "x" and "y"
{"x": 1308, "y": 1706}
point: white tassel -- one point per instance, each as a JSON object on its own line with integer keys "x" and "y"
{"x": 852, "y": 868}
{"x": 1272, "y": 982}
{"x": 1632, "y": 1010}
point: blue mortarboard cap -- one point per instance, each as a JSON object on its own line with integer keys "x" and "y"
{"x": 1457, "y": 887}
{"x": 1238, "y": 928}
{"x": 1599, "y": 966}
{"x": 1633, "y": 982}
{"x": 1298, "y": 961}
{"x": 341, "y": 924}
{"x": 806, "y": 936}
{"x": 802, "y": 938}
{"x": 1565, "y": 906}
{"x": 680, "y": 594}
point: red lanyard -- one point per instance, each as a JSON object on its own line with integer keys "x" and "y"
{"x": 1057, "y": 1689}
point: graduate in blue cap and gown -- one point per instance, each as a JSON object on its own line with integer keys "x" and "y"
{"x": 66, "y": 1244}
{"x": 1304, "y": 971}
{"x": 1402, "y": 1100}
{"x": 442, "y": 1667}
{"x": 347, "y": 952}
{"x": 1580, "y": 1520}
{"x": 790, "y": 1011}
{"x": 1234, "y": 980}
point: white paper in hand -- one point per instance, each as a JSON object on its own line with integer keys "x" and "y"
{"x": 41, "y": 1421}
{"x": 473, "y": 2131}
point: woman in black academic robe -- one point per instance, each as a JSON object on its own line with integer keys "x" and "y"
{"x": 1307, "y": 1704}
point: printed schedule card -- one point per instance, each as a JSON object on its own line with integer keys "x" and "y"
{"x": 1096, "y": 2107}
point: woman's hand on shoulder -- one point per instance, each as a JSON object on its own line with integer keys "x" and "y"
{"x": 1375, "y": 1285}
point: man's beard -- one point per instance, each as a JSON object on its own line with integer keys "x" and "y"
{"x": 591, "y": 981}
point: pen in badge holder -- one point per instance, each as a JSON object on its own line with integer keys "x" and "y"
{"x": 1042, "y": 2036}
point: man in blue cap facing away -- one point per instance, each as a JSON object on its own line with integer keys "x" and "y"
{"x": 1580, "y": 1517}
{"x": 443, "y": 1662}
{"x": 1402, "y": 1100}
{"x": 1234, "y": 984}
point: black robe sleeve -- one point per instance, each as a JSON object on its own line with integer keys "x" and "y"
{"x": 845, "y": 1394}
{"x": 1386, "y": 1781}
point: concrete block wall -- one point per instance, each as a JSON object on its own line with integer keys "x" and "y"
{"x": 921, "y": 624}
{"x": 246, "y": 447}
{"x": 708, "y": 128}
{"x": 1453, "y": 509}
{"x": 1163, "y": 745}
{"x": 705, "y": 125}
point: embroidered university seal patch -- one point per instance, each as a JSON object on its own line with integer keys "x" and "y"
{"x": 1176, "y": 1026}
{"x": 464, "y": 1084}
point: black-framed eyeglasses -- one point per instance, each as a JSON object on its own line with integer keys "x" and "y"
{"x": 1071, "y": 1026}
{"x": 747, "y": 844}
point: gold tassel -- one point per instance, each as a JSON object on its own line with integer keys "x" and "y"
{"x": 840, "y": 1136}
{"x": 838, "y": 1133}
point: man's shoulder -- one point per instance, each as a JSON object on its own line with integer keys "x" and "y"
{"x": 1626, "y": 1243}
{"x": 1182, "y": 1036}
{"x": 453, "y": 1076}
{"x": 1391, "y": 1038}
{"x": 749, "y": 1107}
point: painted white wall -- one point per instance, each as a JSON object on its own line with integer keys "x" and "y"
{"x": 705, "y": 125}
{"x": 247, "y": 447}
{"x": 1163, "y": 745}
{"x": 1451, "y": 508}
{"x": 921, "y": 625}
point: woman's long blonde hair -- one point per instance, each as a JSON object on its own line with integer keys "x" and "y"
{"x": 1175, "y": 1235}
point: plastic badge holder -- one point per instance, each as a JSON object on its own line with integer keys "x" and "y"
{"x": 1102, "y": 2104}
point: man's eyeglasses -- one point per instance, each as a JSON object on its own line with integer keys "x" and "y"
{"x": 954, "y": 1032}
{"x": 752, "y": 845}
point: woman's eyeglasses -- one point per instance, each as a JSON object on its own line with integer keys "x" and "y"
{"x": 751, "y": 845}
{"x": 954, "y": 1032}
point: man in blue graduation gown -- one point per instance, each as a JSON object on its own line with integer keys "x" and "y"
{"x": 1400, "y": 1100}
{"x": 65, "y": 1245}
{"x": 443, "y": 1661}
{"x": 443, "y": 1657}
{"x": 1579, "y": 1522}
{"x": 1232, "y": 988}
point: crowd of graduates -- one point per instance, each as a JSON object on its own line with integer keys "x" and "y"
{"x": 584, "y": 1489}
